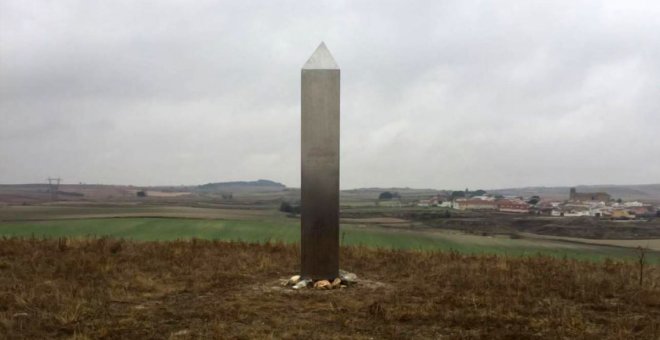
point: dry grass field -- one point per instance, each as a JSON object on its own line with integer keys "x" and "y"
{"x": 112, "y": 289}
{"x": 101, "y": 210}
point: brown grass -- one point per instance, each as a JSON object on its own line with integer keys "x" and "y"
{"x": 104, "y": 288}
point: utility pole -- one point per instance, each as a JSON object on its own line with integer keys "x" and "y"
{"x": 53, "y": 187}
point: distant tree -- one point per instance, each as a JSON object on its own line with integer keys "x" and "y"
{"x": 141, "y": 193}
{"x": 457, "y": 194}
{"x": 286, "y": 207}
{"x": 534, "y": 200}
{"x": 385, "y": 196}
{"x": 619, "y": 201}
{"x": 479, "y": 193}
{"x": 289, "y": 208}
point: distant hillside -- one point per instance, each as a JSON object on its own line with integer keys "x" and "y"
{"x": 262, "y": 185}
{"x": 643, "y": 192}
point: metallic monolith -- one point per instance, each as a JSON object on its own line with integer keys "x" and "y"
{"x": 320, "y": 166}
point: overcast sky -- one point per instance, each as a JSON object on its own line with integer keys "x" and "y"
{"x": 440, "y": 94}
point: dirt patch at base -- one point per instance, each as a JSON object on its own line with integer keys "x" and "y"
{"x": 280, "y": 286}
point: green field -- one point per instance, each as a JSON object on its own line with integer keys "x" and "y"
{"x": 287, "y": 230}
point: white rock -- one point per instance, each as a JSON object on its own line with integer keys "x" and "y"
{"x": 301, "y": 284}
{"x": 294, "y": 279}
{"x": 348, "y": 277}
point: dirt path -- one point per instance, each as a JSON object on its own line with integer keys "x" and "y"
{"x": 652, "y": 244}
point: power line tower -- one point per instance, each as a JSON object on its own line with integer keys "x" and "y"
{"x": 53, "y": 187}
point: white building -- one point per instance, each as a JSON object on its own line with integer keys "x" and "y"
{"x": 446, "y": 204}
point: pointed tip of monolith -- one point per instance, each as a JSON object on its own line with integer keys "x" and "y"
{"x": 321, "y": 60}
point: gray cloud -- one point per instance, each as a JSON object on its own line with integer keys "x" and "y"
{"x": 442, "y": 94}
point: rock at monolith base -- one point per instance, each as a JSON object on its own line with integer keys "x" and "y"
{"x": 322, "y": 284}
{"x": 301, "y": 284}
{"x": 293, "y": 280}
{"x": 347, "y": 277}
